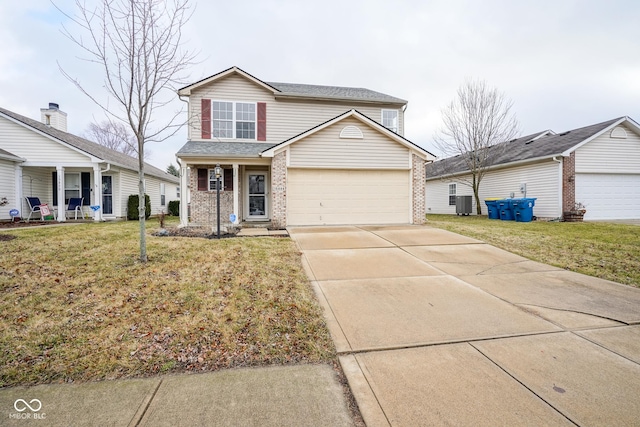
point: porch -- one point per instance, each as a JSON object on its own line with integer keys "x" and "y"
{"x": 55, "y": 186}
{"x": 245, "y": 196}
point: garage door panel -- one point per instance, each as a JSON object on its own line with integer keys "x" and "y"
{"x": 318, "y": 197}
{"x": 609, "y": 196}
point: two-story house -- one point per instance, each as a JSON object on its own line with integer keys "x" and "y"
{"x": 295, "y": 154}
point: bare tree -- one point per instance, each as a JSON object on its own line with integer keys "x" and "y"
{"x": 138, "y": 46}
{"x": 474, "y": 124}
{"x": 116, "y": 136}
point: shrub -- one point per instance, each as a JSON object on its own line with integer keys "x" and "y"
{"x": 132, "y": 207}
{"x": 174, "y": 207}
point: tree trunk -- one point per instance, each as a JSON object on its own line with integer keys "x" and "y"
{"x": 142, "y": 203}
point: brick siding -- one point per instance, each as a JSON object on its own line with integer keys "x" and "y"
{"x": 568, "y": 182}
{"x": 204, "y": 205}
{"x": 279, "y": 190}
{"x": 418, "y": 173}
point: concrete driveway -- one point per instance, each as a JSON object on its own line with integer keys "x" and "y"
{"x": 433, "y": 328}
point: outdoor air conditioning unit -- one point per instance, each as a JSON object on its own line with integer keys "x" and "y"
{"x": 463, "y": 205}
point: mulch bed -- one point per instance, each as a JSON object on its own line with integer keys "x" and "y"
{"x": 20, "y": 224}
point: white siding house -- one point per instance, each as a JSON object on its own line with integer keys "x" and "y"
{"x": 597, "y": 165}
{"x": 295, "y": 154}
{"x": 53, "y": 165}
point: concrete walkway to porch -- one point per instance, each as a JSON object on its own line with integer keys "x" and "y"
{"x": 433, "y": 328}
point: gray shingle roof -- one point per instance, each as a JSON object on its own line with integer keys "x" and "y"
{"x": 335, "y": 92}
{"x": 91, "y": 148}
{"x": 223, "y": 149}
{"x": 522, "y": 148}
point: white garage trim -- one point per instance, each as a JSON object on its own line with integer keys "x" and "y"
{"x": 609, "y": 196}
{"x": 331, "y": 197}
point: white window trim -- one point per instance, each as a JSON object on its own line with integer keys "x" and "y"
{"x": 234, "y": 120}
{"x": 163, "y": 198}
{"x": 455, "y": 193}
{"x": 67, "y": 188}
{"x": 397, "y": 128}
{"x": 210, "y": 181}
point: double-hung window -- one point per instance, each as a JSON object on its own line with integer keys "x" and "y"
{"x": 452, "y": 194}
{"x": 390, "y": 120}
{"x": 233, "y": 120}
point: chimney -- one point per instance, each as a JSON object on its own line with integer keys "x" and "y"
{"x": 54, "y": 117}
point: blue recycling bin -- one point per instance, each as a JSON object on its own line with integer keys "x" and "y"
{"x": 506, "y": 210}
{"x": 492, "y": 209}
{"x": 523, "y": 209}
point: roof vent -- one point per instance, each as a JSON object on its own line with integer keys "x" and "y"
{"x": 619, "y": 132}
{"x": 514, "y": 139}
{"x": 564, "y": 133}
{"x": 351, "y": 132}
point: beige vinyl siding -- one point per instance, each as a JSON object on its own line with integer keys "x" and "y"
{"x": 30, "y": 145}
{"x": 285, "y": 118}
{"x": 542, "y": 179}
{"x": 124, "y": 184}
{"x": 437, "y": 196}
{"x": 610, "y": 155}
{"x": 37, "y": 182}
{"x": 325, "y": 149}
{"x": 153, "y": 190}
{"x": 8, "y": 188}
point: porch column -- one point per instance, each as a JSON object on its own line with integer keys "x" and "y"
{"x": 184, "y": 195}
{"x": 236, "y": 192}
{"x": 18, "y": 190}
{"x": 62, "y": 216}
{"x": 97, "y": 192}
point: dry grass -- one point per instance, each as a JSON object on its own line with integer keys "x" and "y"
{"x": 77, "y": 305}
{"x": 608, "y": 251}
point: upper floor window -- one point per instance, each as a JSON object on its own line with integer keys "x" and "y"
{"x": 233, "y": 120}
{"x": 390, "y": 119}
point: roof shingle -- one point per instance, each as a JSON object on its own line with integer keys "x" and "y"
{"x": 90, "y": 147}
{"x": 522, "y": 148}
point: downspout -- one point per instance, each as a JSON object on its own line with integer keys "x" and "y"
{"x": 561, "y": 185}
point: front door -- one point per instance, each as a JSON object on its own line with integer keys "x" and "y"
{"x": 257, "y": 191}
{"x": 107, "y": 195}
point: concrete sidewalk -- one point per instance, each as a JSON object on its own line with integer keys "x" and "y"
{"x": 307, "y": 395}
{"x": 435, "y": 328}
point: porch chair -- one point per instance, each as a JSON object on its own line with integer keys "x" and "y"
{"x": 75, "y": 206}
{"x": 34, "y": 207}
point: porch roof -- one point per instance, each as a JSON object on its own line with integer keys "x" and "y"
{"x": 223, "y": 149}
{"x": 4, "y": 154}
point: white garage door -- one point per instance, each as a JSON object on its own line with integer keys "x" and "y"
{"x": 609, "y": 196}
{"x": 319, "y": 197}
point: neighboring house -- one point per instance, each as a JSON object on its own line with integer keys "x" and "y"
{"x": 597, "y": 165}
{"x": 295, "y": 154}
{"x": 41, "y": 159}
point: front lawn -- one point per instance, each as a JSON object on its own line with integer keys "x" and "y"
{"x": 608, "y": 251}
{"x": 77, "y": 305}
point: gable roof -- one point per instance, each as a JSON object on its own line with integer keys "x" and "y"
{"x": 302, "y": 91}
{"x": 88, "y": 147}
{"x": 540, "y": 145}
{"x": 270, "y": 152}
{"x": 4, "y": 154}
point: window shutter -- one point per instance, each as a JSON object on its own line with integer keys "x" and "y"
{"x": 85, "y": 178}
{"x": 206, "y": 119}
{"x": 262, "y": 121}
{"x": 203, "y": 179}
{"x": 54, "y": 180}
{"x": 228, "y": 180}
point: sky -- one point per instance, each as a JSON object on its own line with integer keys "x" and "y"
{"x": 564, "y": 63}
